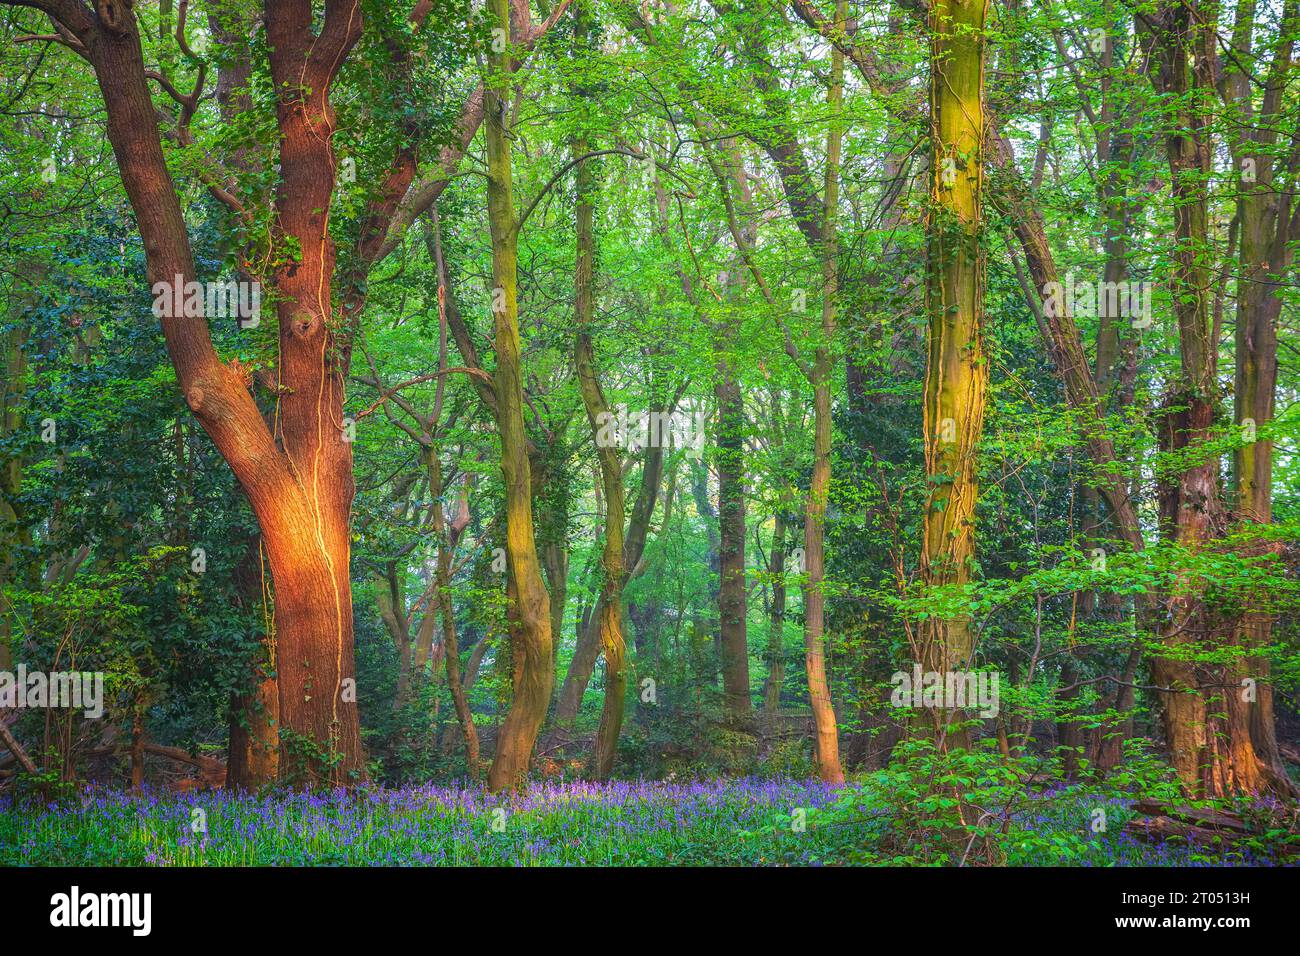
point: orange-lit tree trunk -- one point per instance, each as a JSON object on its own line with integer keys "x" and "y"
{"x": 309, "y": 542}
{"x": 826, "y": 729}
{"x": 301, "y": 488}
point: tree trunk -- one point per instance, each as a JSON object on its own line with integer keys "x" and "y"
{"x": 956, "y": 376}
{"x": 814, "y": 598}
{"x": 14, "y": 535}
{"x": 610, "y": 612}
{"x": 301, "y": 495}
{"x": 588, "y": 645}
{"x": 442, "y": 597}
{"x": 733, "y": 643}
{"x": 1206, "y": 725}
{"x": 1265, "y": 254}
{"x": 776, "y": 621}
{"x": 529, "y": 605}
{"x": 253, "y": 760}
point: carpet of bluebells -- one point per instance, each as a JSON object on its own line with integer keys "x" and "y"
{"x": 748, "y": 822}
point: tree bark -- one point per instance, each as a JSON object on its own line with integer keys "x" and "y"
{"x": 1265, "y": 255}
{"x": 776, "y": 621}
{"x": 826, "y": 730}
{"x": 610, "y": 612}
{"x": 956, "y": 377}
{"x": 634, "y": 541}
{"x": 300, "y": 495}
{"x": 1205, "y": 721}
{"x": 529, "y": 604}
{"x": 442, "y": 597}
{"x": 733, "y": 643}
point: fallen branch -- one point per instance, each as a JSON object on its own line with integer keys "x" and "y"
{"x": 1193, "y": 816}
{"x": 1211, "y": 829}
{"x": 212, "y": 770}
{"x": 16, "y": 749}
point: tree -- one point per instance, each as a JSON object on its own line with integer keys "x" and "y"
{"x": 956, "y": 374}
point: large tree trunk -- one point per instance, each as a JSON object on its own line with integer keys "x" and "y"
{"x": 1115, "y": 152}
{"x": 309, "y": 543}
{"x": 301, "y": 495}
{"x": 1205, "y": 720}
{"x": 529, "y": 604}
{"x": 956, "y": 376}
{"x": 1264, "y": 227}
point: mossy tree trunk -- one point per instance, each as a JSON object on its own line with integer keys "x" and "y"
{"x": 529, "y": 610}
{"x": 956, "y": 375}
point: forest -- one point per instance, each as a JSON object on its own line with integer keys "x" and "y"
{"x": 649, "y": 433}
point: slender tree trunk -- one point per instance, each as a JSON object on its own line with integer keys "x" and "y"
{"x": 609, "y": 620}
{"x": 442, "y": 597}
{"x": 529, "y": 608}
{"x": 732, "y": 593}
{"x": 14, "y": 536}
{"x": 137, "y": 748}
{"x": 776, "y": 621}
{"x": 391, "y": 599}
{"x": 827, "y": 733}
{"x": 555, "y": 565}
{"x": 733, "y": 643}
{"x": 588, "y": 646}
{"x": 609, "y": 613}
{"x": 1115, "y": 152}
{"x": 253, "y": 759}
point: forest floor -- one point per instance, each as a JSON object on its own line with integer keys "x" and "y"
{"x": 746, "y": 822}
